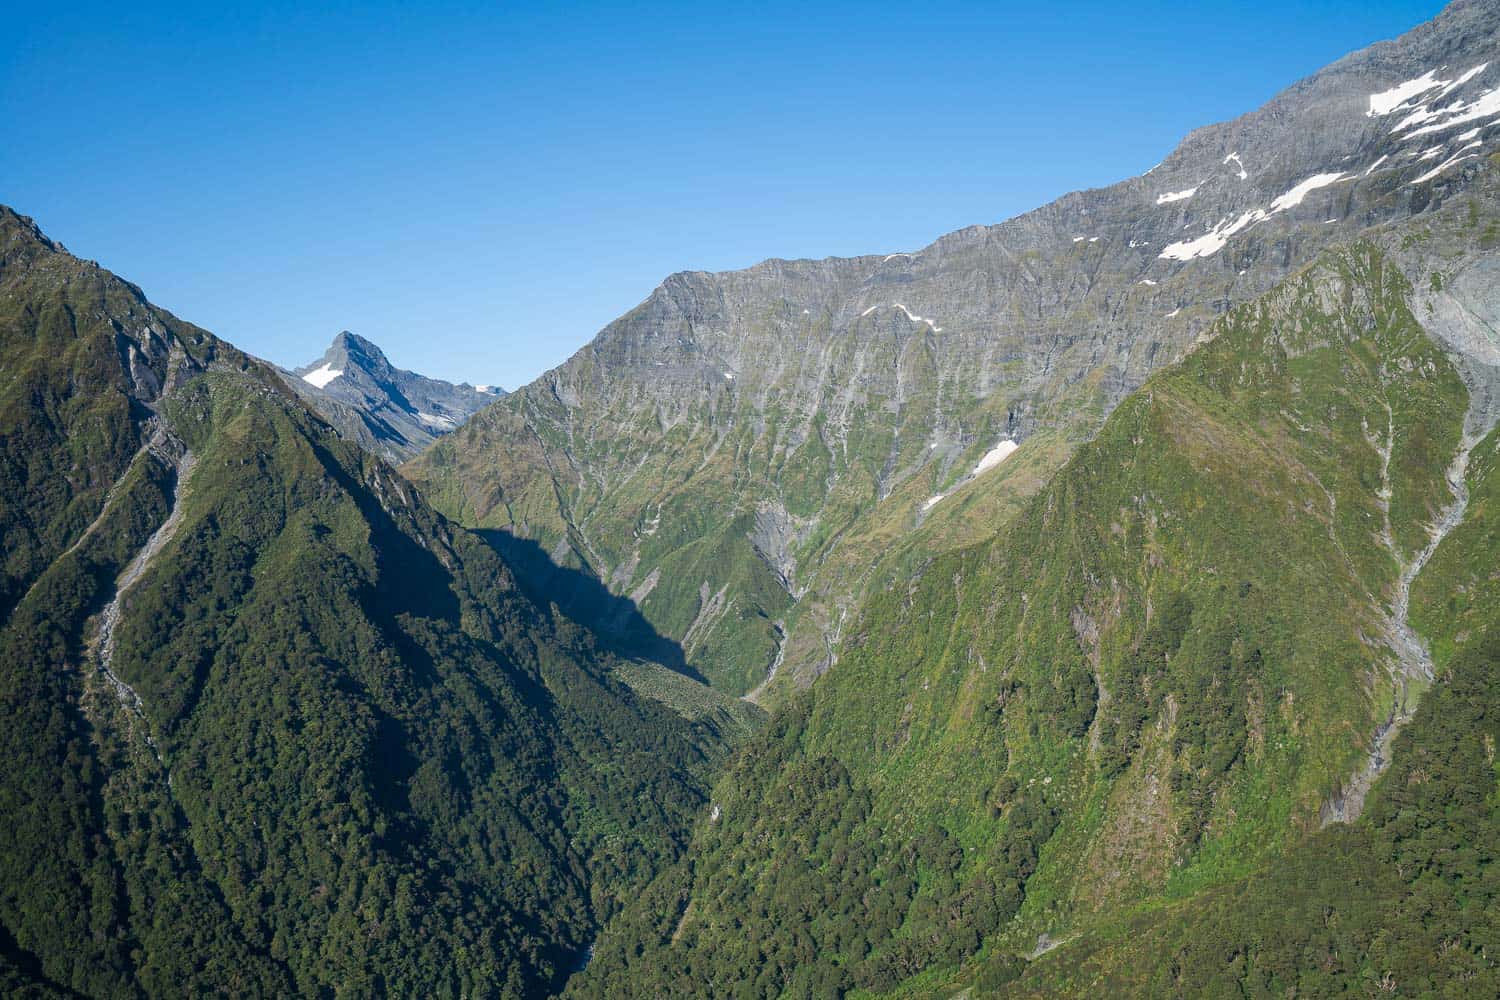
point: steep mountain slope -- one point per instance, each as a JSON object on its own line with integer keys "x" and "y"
{"x": 392, "y": 412}
{"x": 1405, "y": 903}
{"x": 272, "y": 725}
{"x": 1163, "y": 675}
{"x": 731, "y": 452}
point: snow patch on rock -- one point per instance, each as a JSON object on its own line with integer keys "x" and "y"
{"x": 908, "y": 314}
{"x": 322, "y": 376}
{"x": 1487, "y": 106}
{"x": 1456, "y": 158}
{"x": 1294, "y": 197}
{"x": 1217, "y": 237}
{"x": 437, "y": 420}
{"x": 1003, "y": 450}
{"x": 994, "y": 457}
{"x": 1212, "y": 241}
{"x": 1388, "y": 101}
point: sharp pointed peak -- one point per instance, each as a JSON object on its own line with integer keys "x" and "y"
{"x": 355, "y": 344}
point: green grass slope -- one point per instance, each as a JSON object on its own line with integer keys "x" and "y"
{"x": 1406, "y": 902}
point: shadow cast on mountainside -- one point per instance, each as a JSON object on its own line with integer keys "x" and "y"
{"x": 582, "y": 597}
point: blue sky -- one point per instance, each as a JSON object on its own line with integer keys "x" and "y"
{"x": 479, "y": 188}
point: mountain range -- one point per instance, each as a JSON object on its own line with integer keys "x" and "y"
{"x": 1102, "y": 602}
{"x": 730, "y": 452}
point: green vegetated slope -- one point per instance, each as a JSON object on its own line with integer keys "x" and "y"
{"x": 1145, "y": 686}
{"x": 1405, "y": 902}
{"x": 893, "y": 540}
{"x": 700, "y": 512}
{"x": 272, "y": 726}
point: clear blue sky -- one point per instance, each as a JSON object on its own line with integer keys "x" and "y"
{"x": 479, "y": 188}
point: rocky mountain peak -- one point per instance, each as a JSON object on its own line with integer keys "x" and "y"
{"x": 394, "y": 412}
{"x": 352, "y": 347}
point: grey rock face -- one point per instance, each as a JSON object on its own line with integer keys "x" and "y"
{"x": 839, "y": 389}
{"x": 392, "y": 412}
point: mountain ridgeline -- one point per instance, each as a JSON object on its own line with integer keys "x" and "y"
{"x": 273, "y": 726}
{"x": 730, "y": 453}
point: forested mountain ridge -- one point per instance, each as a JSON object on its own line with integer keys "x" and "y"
{"x": 272, "y": 725}
{"x": 731, "y": 452}
{"x": 1145, "y": 695}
